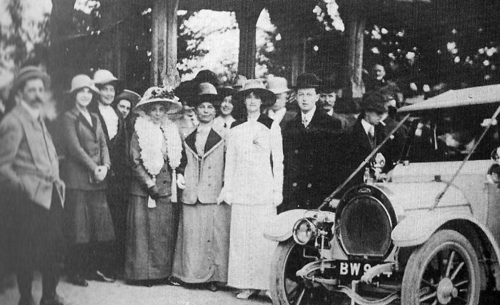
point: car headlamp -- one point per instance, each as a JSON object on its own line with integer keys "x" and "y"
{"x": 304, "y": 231}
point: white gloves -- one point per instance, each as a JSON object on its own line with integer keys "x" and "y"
{"x": 181, "y": 181}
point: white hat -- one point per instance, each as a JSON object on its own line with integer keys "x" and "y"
{"x": 162, "y": 95}
{"x": 82, "y": 81}
{"x": 103, "y": 77}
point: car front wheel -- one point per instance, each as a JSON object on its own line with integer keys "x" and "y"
{"x": 444, "y": 270}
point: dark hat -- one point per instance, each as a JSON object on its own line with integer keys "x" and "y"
{"x": 307, "y": 80}
{"x": 255, "y": 85}
{"x": 130, "y": 96}
{"x": 206, "y": 93}
{"x": 27, "y": 73}
{"x": 373, "y": 101}
{"x": 206, "y": 76}
{"x": 225, "y": 91}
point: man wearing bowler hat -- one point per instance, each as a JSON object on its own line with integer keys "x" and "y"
{"x": 32, "y": 189}
{"x": 366, "y": 134}
{"x": 308, "y": 141}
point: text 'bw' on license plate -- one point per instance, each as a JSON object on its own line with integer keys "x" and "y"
{"x": 354, "y": 270}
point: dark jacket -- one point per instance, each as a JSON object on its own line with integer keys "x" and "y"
{"x": 85, "y": 149}
{"x": 309, "y": 166}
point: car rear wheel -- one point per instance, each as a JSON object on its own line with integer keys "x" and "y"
{"x": 289, "y": 289}
{"x": 444, "y": 270}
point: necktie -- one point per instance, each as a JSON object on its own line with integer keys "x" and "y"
{"x": 371, "y": 136}
{"x": 305, "y": 121}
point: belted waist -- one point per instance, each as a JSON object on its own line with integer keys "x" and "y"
{"x": 37, "y": 173}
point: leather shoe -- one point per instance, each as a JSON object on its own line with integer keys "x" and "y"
{"x": 27, "y": 300}
{"x": 56, "y": 300}
{"x": 78, "y": 280}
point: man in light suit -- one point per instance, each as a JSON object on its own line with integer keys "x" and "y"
{"x": 309, "y": 141}
{"x": 31, "y": 188}
{"x": 278, "y": 111}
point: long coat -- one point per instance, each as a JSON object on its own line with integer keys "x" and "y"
{"x": 356, "y": 147}
{"x": 28, "y": 159}
{"x": 32, "y": 193}
{"x": 85, "y": 148}
{"x": 204, "y": 173}
{"x": 309, "y": 170}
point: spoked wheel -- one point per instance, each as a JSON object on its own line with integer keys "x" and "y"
{"x": 289, "y": 289}
{"x": 444, "y": 270}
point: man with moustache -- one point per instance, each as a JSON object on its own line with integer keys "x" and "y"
{"x": 32, "y": 189}
{"x": 308, "y": 143}
{"x": 328, "y": 98}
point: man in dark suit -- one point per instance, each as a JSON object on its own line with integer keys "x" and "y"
{"x": 117, "y": 139}
{"x": 309, "y": 140}
{"x": 32, "y": 189}
{"x": 365, "y": 135}
{"x": 328, "y": 102}
{"x": 278, "y": 112}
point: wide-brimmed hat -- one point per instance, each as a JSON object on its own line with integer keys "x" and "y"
{"x": 307, "y": 81}
{"x": 81, "y": 81}
{"x": 159, "y": 95}
{"x": 254, "y": 85}
{"x": 30, "y": 72}
{"x": 206, "y": 93}
{"x": 104, "y": 77}
{"x": 129, "y": 95}
{"x": 373, "y": 101}
{"x": 277, "y": 85}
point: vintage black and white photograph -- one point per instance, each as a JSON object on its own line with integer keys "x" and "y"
{"x": 284, "y": 152}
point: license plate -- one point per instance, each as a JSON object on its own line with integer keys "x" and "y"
{"x": 354, "y": 270}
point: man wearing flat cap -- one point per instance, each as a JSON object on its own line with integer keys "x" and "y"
{"x": 366, "y": 134}
{"x": 308, "y": 141}
{"x": 30, "y": 184}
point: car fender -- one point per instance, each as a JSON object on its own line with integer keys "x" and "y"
{"x": 281, "y": 226}
{"x": 416, "y": 228}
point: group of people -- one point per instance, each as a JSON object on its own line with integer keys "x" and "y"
{"x": 164, "y": 201}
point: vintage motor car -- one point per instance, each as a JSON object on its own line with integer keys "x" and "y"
{"x": 426, "y": 233}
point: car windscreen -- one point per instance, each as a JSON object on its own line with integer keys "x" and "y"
{"x": 450, "y": 134}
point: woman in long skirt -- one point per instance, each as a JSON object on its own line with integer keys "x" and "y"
{"x": 202, "y": 250}
{"x": 253, "y": 182}
{"x": 152, "y": 220}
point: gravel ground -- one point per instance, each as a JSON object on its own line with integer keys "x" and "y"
{"x": 118, "y": 293}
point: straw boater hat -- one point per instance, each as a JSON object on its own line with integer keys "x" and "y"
{"x": 206, "y": 93}
{"x": 103, "y": 77}
{"x": 255, "y": 85}
{"x": 130, "y": 96}
{"x": 277, "y": 85}
{"x": 81, "y": 81}
{"x": 30, "y": 72}
{"x": 159, "y": 95}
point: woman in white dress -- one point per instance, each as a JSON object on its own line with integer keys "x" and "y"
{"x": 253, "y": 181}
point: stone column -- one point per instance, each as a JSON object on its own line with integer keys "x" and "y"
{"x": 164, "y": 43}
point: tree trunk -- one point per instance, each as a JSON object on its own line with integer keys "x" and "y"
{"x": 164, "y": 44}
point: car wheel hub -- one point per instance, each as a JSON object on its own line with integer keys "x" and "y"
{"x": 446, "y": 291}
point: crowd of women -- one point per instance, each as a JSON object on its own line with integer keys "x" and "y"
{"x": 165, "y": 200}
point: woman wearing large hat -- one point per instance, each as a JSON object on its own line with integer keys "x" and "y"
{"x": 155, "y": 153}
{"x": 253, "y": 181}
{"x": 202, "y": 249}
{"x": 85, "y": 169}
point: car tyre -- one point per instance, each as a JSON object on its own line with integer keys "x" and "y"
{"x": 444, "y": 270}
{"x": 286, "y": 287}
